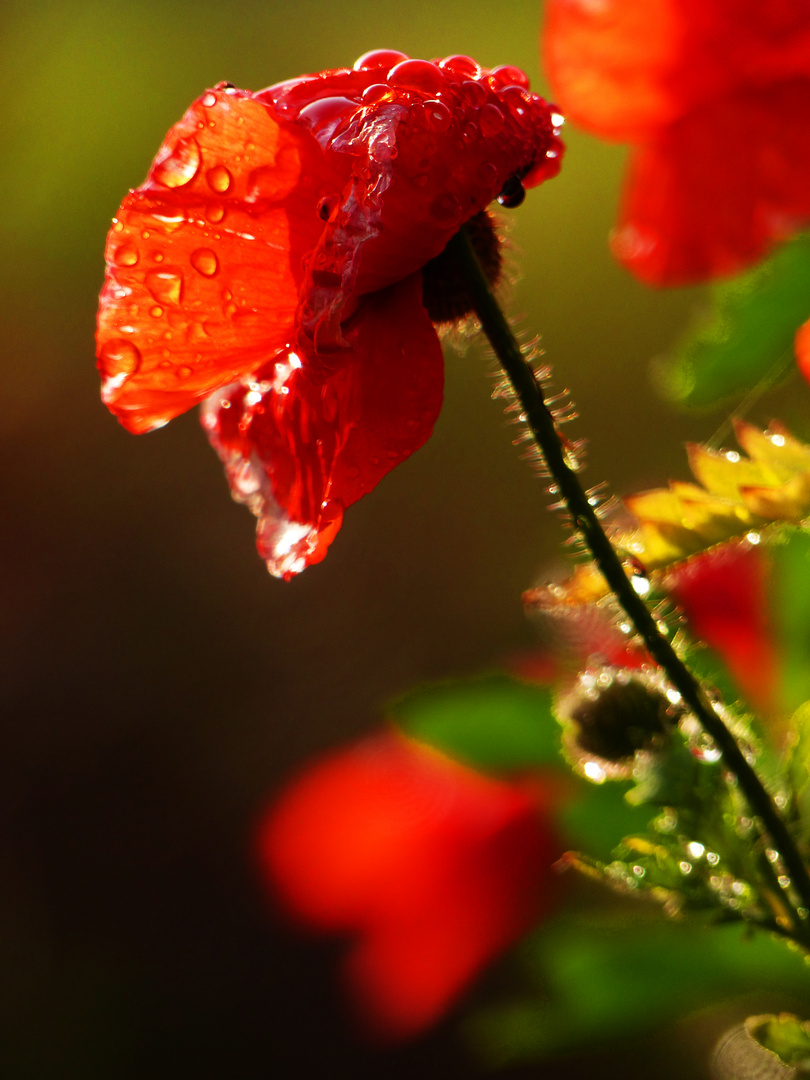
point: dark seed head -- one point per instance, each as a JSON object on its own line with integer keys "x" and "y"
{"x": 444, "y": 284}
{"x": 624, "y": 717}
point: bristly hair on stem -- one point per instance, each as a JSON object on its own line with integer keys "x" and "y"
{"x": 585, "y": 521}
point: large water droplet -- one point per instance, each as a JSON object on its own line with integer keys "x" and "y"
{"x": 436, "y": 116}
{"x": 205, "y": 262}
{"x": 126, "y": 255}
{"x": 377, "y": 92}
{"x": 511, "y": 76}
{"x": 379, "y": 58}
{"x": 219, "y": 179}
{"x": 180, "y": 165}
{"x": 490, "y": 120}
{"x": 166, "y": 286}
{"x": 209, "y": 99}
{"x": 118, "y": 359}
{"x": 215, "y": 213}
{"x": 461, "y": 65}
{"x": 474, "y": 93}
{"x": 416, "y": 75}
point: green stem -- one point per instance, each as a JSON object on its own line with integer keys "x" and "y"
{"x": 585, "y": 521}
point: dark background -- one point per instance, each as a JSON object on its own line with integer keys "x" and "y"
{"x": 156, "y": 684}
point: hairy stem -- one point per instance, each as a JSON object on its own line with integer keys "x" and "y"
{"x": 585, "y": 521}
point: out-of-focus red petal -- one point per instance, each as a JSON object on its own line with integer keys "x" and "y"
{"x": 723, "y": 594}
{"x": 610, "y": 63}
{"x": 300, "y": 446}
{"x": 204, "y": 259}
{"x": 716, "y": 189}
{"x": 434, "y": 867}
{"x": 802, "y": 348}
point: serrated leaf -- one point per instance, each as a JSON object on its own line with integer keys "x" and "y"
{"x": 737, "y": 495}
{"x": 785, "y": 1036}
{"x": 746, "y": 336}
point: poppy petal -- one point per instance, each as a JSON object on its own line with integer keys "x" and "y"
{"x": 204, "y": 259}
{"x": 610, "y": 63}
{"x": 300, "y": 445}
{"x": 717, "y": 189}
{"x": 434, "y": 867}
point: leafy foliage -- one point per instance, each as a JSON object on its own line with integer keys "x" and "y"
{"x": 746, "y": 335}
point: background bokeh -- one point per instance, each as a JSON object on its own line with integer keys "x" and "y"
{"x": 156, "y": 684}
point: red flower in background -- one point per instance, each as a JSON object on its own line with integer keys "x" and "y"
{"x": 714, "y": 97}
{"x": 724, "y": 596}
{"x": 272, "y": 264}
{"x": 433, "y": 868}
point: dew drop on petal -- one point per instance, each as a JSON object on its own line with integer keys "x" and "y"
{"x": 490, "y": 120}
{"x": 379, "y": 58}
{"x": 511, "y": 76}
{"x": 118, "y": 359}
{"x": 474, "y": 93}
{"x": 219, "y": 179}
{"x": 437, "y": 116}
{"x": 461, "y": 65}
{"x": 209, "y": 99}
{"x": 183, "y": 372}
{"x": 215, "y": 213}
{"x": 487, "y": 174}
{"x": 166, "y": 286}
{"x": 446, "y": 209}
{"x": 156, "y": 312}
{"x": 376, "y": 93}
{"x": 126, "y": 255}
{"x": 205, "y": 262}
{"x": 416, "y": 75}
{"x": 180, "y": 165}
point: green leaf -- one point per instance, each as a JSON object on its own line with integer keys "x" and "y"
{"x": 784, "y": 1035}
{"x": 790, "y": 593}
{"x": 746, "y": 337}
{"x": 605, "y": 977}
{"x": 498, "y": 724}
{"x": 494, "y": 723}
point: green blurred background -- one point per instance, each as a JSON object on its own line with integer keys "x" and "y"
{"x": 157, "y": 685}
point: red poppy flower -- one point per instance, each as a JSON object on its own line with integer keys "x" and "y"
{"x": 432, "y": 867}
{"x": 724, "y": 596}
{"x": 714, "y": 96}
{"x": 272, "y": 264}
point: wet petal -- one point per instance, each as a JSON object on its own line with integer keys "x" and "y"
{"x": 204, "y": 259}
{"x": 716, "y": 190}
{"x": 434, "y": 867}
{"x": 299, "y": 447}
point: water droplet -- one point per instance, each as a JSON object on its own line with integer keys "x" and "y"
{"x": 209, "y": 99}
{"x": 436, "y": 116}
{"x": 265, "y": 183}
{"x": 446, "y": 209}
{"x": 215, "y": 213}
{"x": 183, "y": 372}
{"x": 377, "y": 92}
{"x": 157, "y": 256}
{"x": 156, "y": 311}
{"x": 474, "y": 93}
{"x": 325, "y": 111}
{"x": 490, "y": 120}
{"x": 219, "y": 179}
{"x": 205, "y": 262}
{"x": 118, "y": 359}
{"x": 487, "y": 174}
{"x": 511, "y": 76}
{"x": 512, "y": 193}
{"x": 470, "y": 132}
{"x": 180, "y": 165}
{"x": 166, "y": 286}
{"x": 461, "y": 65}
{"x": 416, "y": 75}
{"x": 126, "y": 255}
{"x": 379, "y": 58}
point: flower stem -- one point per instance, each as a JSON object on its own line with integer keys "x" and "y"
{"x": 585, "y": 521}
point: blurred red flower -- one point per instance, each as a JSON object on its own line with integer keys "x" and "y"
{"x": 273, "y": 261}
{"x": 714, "y": 96}
{"x": 433, "y": 868}
{"x": 723, "y": 594}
